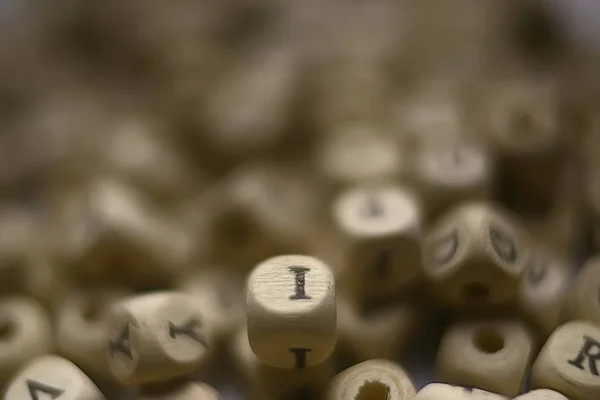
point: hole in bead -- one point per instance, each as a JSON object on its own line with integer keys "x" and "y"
{"x": 476, "y": 292}
{"x": 373, "y": 390}
{"x": 523, "y": 123}
{"x": 489, "y": 341}
{"x": 7, "y": 330}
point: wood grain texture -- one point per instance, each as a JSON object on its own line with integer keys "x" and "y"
{"x": 185, "y": 391}
{"x": 442, "y": 391}
{"x": 568, "y": 362}
{"x": 541, "y": 394}
{"x": 376, "y": 379}
{"x": 491, "y": 355}
{"x": 52, "y": 377}
{"x": 291, "y": 311}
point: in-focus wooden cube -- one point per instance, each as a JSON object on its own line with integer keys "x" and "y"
{"x": 81, "y": 329}
{"x": 291, "y": 311}
{"x": 490, "y": 355}
{"x": 541, "y": 394}
{"x": 544, "y": 289}
{"x": 185, "y": 391}
{"x": 449, "y": 171}
{"x": 114, "y": 235}
{"x": 474, "y": 256}
{"x": 262, "y": 382}
{"x": 157, "y": 337}
{"x": 380, "y": 230}
{"x": 375, "y": 379}
{"x": 442, "y": 391}
{"x": 52, "y": 377}
{"x": 583, "y": 300}
{"x": 26, "y": 333}
{"x": 569, "y": 361}
{"x": 381, "y": 333}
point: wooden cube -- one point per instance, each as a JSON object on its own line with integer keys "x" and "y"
{"x": 541, "y": 394}
{"x": 568, "y": 362}
{"x": 26, "y": 333}
{"x": 375, "y": 379}
{"x": 490, "y": 355}
{"x": 184, "y": 391}
{"x": 474, "y": 256}
{"x": 262, "y": 382}
{"x": 521, "y": 121}
{"x": 543, "y": 292}
{"x": 81, "y": 329}
{"x": 114, "y": 235}
{"x": 157, "y": 337}
{"x": 52, "y": 377}
{"x": 582, "y": 300}
{"x": 380, "y": 229}
{"x": 381, "y": 333}
{"x": 442, "y": 391}
{"x": 449, "y": 171}
{"x": 291, "y": 311}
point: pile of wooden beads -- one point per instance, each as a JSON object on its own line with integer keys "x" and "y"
{"x": 297, "y": 200}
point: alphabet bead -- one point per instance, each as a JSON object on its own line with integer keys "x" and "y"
{"x": 583, "y": 298}
{"x": 490, "y": 355}
{"x": 52, "y": 377}
{"x": 114, "y": 235}
{"x": 81, "y": 328}
{"x": 450, "y": 171}
{"x": 375, "y": 379}
{"x": 186, "y": 391}
{"x": 380, "y": 229}
{"x": 291, "y": 311}
{"x": 383, "y": 333}
{"x": 442, "y": 391}
{"x": 543, "y": 291}
{"x": 569, "y": 362}
{"x": 156, "y": 337}
{"x": 262, "y": 382}
{"x": 25, "y": 331}
{"x": 475, "y": 255}
{"x": 541, "y": 394}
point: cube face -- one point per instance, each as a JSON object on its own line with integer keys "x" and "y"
{"x": 475, "y": 256}
{"x": 490, "y": 355}
{"x": 376, "y": 378}
{"x": 569, "y": 362}
{"x": 52, "y": 377}
{"x": 156, "y": 337}
{"x": 442, "y": 391}
{"x": 291, "y": 311}
{"x": 380, "y": 227}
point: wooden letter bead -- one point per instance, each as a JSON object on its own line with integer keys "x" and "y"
{"x": 52, "y": 377}
{"x": 543, "y": 292}
{"x": 475, "y": 255}
{"x": 541, "y": 394}
{"x": 448, "y": 172}
{"x": 186, "y": 391}
{"x": 375, "y": 379}
{"x": 262, "y": 382}
{"x": 583, "y": 301}
{"x": 569, "y": 362}
{"x": 25, "y": 333}
{"x": 291, "y": 311}
{"x": 157, "y": 337}
{"x": 81, "y": 328}
{"x": 490, "y": 355}
{"x": 442, "y": 391}
{"x": 380, "y": 229}
{"x": 382, "y": 333}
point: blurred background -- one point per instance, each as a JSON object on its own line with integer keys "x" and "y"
{"x": 164, "y": 122}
